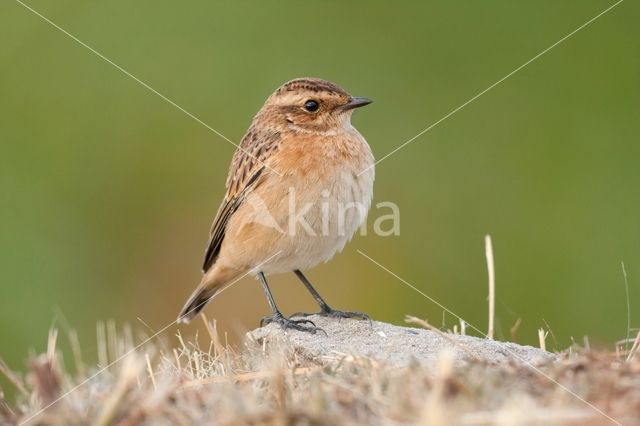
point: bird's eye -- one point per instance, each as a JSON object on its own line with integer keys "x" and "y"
{"x": 311, "y": 105}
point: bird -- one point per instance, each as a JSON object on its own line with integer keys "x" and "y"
{"x": 299, "y": 186}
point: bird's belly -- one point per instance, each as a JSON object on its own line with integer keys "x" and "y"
{"x": 324, "y": 219}
{"x": 306, "y": 213}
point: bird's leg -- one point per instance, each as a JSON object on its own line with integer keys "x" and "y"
{"x": 277, "y": 316}
{"x": 325, "y": 309}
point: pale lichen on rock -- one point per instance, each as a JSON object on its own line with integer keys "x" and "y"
{"x": 396, "y": 345}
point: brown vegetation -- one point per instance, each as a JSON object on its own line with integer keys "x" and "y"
{"x": 265, "y": 384}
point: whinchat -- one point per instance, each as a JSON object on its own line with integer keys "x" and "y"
{"x": 299, "y": 186}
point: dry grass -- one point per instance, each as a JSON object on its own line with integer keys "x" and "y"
{"x": 272, "y": 384}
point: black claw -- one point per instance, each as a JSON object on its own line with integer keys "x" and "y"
{"x": 265, "y": 320}
{"x": 287, "y": 323}
{"x": 306, "y": 321}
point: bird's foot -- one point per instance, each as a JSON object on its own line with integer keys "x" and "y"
{"x": 287, "y": 324}
{"x": 334, "y": 313}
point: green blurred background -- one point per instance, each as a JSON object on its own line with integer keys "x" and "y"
{"x": 108, "y": 191}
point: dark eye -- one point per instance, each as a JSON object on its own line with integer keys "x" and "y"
{"x": 311, "y": 105}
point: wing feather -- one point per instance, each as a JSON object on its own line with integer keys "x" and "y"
{"x": 247, "y": 166}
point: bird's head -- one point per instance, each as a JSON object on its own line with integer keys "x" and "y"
{"x": 311, "y": 105}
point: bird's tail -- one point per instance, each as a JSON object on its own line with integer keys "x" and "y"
{"x": 196, "y": 302}
{"x": 212, "y": 282}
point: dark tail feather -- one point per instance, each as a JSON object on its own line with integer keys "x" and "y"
{"x": 194, "y": 305}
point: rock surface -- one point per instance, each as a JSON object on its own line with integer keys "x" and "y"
{"x": 395, "y": 345}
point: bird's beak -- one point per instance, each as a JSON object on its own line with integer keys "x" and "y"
{"x": 356, "y": 102}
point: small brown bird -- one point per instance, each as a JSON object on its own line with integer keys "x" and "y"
{"x": 299, "y": 186}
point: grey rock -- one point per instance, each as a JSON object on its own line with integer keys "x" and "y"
{"x": 395, "y": 345}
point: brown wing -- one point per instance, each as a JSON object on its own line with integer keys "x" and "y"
{"x": 247, "y": 165}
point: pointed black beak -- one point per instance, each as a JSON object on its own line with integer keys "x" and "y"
{"x": 356, "y": 102}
